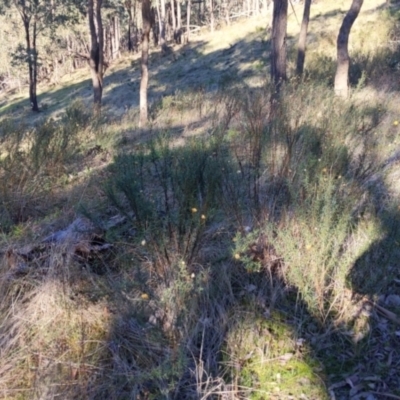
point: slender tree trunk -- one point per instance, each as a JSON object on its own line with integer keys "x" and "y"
{"x": 159, "y": 22}
{"x": 343, "y": 58}
{"x": 116, "y": 33}
{"x": 301, "y": 51}
{"x": 201, "y": 10}
{"x": 179, "y": 22}
{"x": 146, "y": 17}
{"x": 32, "y": 65}
{"x": 278, "y": 50}
{"x": 96, "y": 60}
{"x": 212, "y": 23}
{"x": 226, "y": 9}
{"x": 162, "y": 26}
{"x": 35, "y": 106}
{"x": 155, "y": 15}
{"x": 107, "y": 42}
{"x": 189, "y": 2}
{"x": 130, "y": 27}
{"x": 173, "y": 17}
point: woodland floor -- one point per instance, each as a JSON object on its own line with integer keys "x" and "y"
{"x": 335, "y": 363}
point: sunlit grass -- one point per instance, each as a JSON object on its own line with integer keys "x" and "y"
{"x": 245, "y": 249}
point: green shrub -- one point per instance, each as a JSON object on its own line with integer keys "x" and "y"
{"x": 169, "y": 195}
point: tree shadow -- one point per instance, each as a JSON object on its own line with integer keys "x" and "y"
{"x": 140, "y": 357}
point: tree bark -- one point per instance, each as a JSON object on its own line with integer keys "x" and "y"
{"x": 162, "y": 26}
{"x": 35, "y": 106}
{"x": 146, "y": 17}
{"x": 201, "y": 9}
{"x": 173, "y": 17}
{"x": 128, "y": 7}
{"x": 96, "y": 59}
{"x": 211, "y": 10}
{"x": 116, "y": 34}
{"x": 301, "y": 50}
{"x": 343, "y": 58}
{"x": 179, "y": 22}
{"x": 226, "y": 9}
{"x": 189, "y": 2}
{"x": 32, "y": 61}
{"x": 278, "y": 50}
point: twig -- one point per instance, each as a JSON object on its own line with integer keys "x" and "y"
{"x": 386, "y": 313}
{"x": 388, "y": 395}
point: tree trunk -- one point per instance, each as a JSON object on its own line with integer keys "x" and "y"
{"x": 278, "y": 50}
{"x": 226, "y": 9}
{"x": 96, "y": 59}
{"x": 189, "y": 2}
{"x": 32, "y": 64}
{"x": 212, "y": 23}
{"x": 162, "y": 26}
{"x": 179, "y": 22}
{"x": 155, "y": 15}
{"x": 173, "y": 17}
{"x": 35, "y": 106}
{"x": 107, "y": 42}
{"x": 146, "y": 17}
{"x": 168, "y": 23}
{"x": 201, "y": 10}
{"x": 116, "y": 36}
{"x": 301, "y": 51}
{"x": 343, "y": 58}
{"x": 130, "y": 29}
{"x": 159, "y": 21}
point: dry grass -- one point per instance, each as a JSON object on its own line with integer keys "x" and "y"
{"x": 246, "y": 251}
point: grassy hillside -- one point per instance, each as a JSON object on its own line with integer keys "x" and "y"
{"x": 227, "y": 251}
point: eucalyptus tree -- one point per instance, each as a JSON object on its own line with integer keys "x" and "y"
{"x": 96, "y": 57}
{"x": 97, "y": 51}
{"x": 343, "y": 58}
{"x": 38, "y": 17}
{"x": 278, "y": 51}
{"x": 301, "y": 50}
{"x": 147, "y": 21}
{"x": 188, "y": 14}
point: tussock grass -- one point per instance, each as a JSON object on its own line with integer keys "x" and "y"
{"x": 248, "y": 244}
{"x": 32, "y": 161}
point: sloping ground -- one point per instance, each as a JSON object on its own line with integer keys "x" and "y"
{"x": 194, "y": 274}
{"x": 234, "y": 54}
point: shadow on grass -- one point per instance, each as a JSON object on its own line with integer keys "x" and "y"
{"x": 183, "y": 70}
{"x": 209, "y": 326}
{"x": 190, "y": 67}
{"x": 212, "y": 327}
